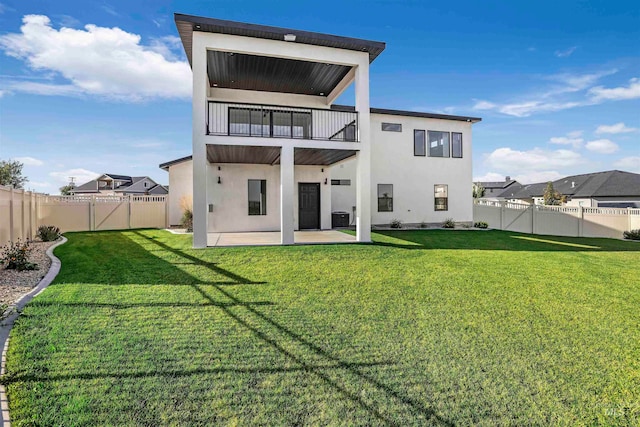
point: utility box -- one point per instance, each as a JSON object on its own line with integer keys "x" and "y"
{"x": 339, "y": 219}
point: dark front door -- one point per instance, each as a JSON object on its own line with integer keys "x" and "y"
{"x": 309, "y": 206}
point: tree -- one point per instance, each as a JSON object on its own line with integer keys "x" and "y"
{"x": 553, "y": 197}
{"x": 11, "y": 173}
{"x": 478, "y": 190}
{"x": 66, "y": 190}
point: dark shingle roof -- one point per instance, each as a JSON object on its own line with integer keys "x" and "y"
{"x": 496, "y": 184}
{"x": 530, "y": 190}
{"x": 612, "y": 183}
{"x": 91, "y": 186}
{"x": 372, "y": 110}
{"x": 187, "y": 24}
{"x": 166, "y": 165}
{"x": 119, "y": 177}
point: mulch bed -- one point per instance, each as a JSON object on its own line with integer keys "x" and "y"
{"x": 14, "y": 284}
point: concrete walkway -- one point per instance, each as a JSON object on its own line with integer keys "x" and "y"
{"x": 273, "y": 238}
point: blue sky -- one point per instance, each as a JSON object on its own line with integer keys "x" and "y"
{"x": 556, "y": 83}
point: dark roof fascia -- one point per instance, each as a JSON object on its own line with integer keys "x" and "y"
{"x": 271, "y": 33}
{"x": 166, "y": 165}
{"x": 410, "y": 113}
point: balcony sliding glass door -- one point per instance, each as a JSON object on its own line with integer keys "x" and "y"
{"x": 269, "y": 123}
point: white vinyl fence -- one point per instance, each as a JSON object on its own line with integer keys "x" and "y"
{"x": 574, "y": 221}
{"x": 22, "y": 212}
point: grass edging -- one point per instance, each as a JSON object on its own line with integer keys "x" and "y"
{"x": 14, "y": 312}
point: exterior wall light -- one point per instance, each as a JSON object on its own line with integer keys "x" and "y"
{"x": 219, "y": 180}
{"x": 289, "y": 37}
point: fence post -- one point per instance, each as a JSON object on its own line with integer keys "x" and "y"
{"x": 23, "y": 231}
{"x": 533, "y": 219}
{"x": 581, "y": 223}
{"x": 501, "y": 214}
{"x": 92, "y": 213}
{"x": 629, "y": 218}
{"x": 166, "y": 211}
{"x": 11, "y": 216}
{"x": 129, "y": 211}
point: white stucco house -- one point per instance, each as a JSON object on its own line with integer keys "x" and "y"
{"x": 272, "y": 152}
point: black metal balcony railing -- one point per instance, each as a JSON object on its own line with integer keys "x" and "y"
{"x": 272, "y": 121}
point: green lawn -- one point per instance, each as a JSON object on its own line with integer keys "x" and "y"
{"x": 425, "y": 327}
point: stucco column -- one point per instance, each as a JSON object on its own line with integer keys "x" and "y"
{"x": 286, "y": 195}
{"x": 363, "y": 185}
{"x": 199, "y": 105}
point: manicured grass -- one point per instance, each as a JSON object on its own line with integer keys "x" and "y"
{"x": 424, "y": 327}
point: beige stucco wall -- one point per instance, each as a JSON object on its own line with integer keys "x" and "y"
{"x": 180, "y": 187}
{"x": 413, "y": 177}
{"x": 230, "y": 197}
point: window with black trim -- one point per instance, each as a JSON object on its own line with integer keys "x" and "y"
{"x": 340, "y": 182}
{"x": 456, "y": 145}
{"x": 257, "y": 197}
{"x": 419, "y": 147}
{"x": 385, "y": 197}
{"x": 441, "y": 197}
{"x": 438, "y": 143}
{"x": 392, "y": 127}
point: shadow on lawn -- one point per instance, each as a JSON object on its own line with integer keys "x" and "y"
{"x": 257, "y": 321}
{"x": 498, "y": 241}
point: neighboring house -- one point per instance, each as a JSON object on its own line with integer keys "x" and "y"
{"x": 613, "y": 188}
{"x": 496, "y": 189}
{"x": 112, "y": 184}
{"x": 272, "y": 152}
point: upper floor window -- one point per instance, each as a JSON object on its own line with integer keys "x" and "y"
{"x": 438, "y": 144}
{"x": 419, "y": 147}
{"x": 385, "y": 197}
{"x": 392, "y": 127}
{"x": 257, "y": 197}
{"x": 340, "y": 182}
{"x": 456, "y": 145}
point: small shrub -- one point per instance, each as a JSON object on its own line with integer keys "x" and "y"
{"x": 632, "y": 235}
{"x": 16, "y": 255}
{"x": 449, "y": 223}
{"x": 424, "y": 225}
{"x": 187, "y": 220}
{"x": 481, "y": 224}
{"x": 48, "y": 233}
{"x": 395, "y": 223}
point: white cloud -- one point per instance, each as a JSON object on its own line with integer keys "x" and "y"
{"x": 631, "y": 164}
{"x": 107, "y": 62}
{"x": 38, "y": 185}
{"x": 29, "y": 161}
{"x": 565, "y": 91}
{"x": 490, "y": 177}
{"x": 484, "y": 105}
{"x": 566, "y": 52}
{"x": 109, "y": 9}
{"x": 632, "y": 91}
{"x": 81, "y": 176}
{"x": 602, "y": 146}
{"x": 572, "y": 138}
{"x": 507, "y": 159}
{"x": 616, "y": 128}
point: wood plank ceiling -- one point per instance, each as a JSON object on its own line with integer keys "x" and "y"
{"x": 271, "y": 155}
{"x": 268, "y": 74}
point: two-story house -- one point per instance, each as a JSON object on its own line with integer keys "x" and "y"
{"x": 272, "y": 152}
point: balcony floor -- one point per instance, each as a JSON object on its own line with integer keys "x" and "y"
{"x": 265, "y": 238}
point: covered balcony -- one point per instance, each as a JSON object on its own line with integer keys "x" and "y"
{"x": 271, "y": 121}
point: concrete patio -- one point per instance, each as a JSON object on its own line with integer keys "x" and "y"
{"x": 273, "y": 238}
